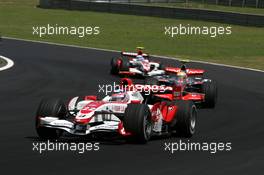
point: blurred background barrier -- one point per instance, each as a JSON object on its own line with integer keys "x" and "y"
{"x": 146, "y": 8}
{"x": 186, "y": 3}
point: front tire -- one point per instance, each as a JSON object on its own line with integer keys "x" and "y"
{"x": 137, "y": 121}
{"x": 114, "y": 66}
{"x": 185, "y": 118}
{"x": 49, "y": 107}
{"x": 210, "y": 91}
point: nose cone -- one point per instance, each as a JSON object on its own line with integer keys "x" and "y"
{"x": 91, "y": 106}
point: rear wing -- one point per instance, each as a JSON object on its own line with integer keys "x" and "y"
{"x": 188, "y": 71}
{"x": 133, "y": 54}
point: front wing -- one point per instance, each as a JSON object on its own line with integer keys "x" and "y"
{"x": 80, "y": 128}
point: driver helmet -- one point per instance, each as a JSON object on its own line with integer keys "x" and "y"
{"x": 181, "y": 75}
{"x": 118, "y": 97}
{"x": 140, "y": 58}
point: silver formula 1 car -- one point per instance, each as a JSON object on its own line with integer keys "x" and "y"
{"x": 191, "y": 81}
{"x": 132, "y": 64}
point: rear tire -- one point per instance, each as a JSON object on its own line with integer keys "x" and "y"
{"x": 125, "y": 64}
{"x": 185, "y": 118}
{"x": 49, "y": 107}
{"x": 210, "y": 91}
{"x": 137, "y": 121}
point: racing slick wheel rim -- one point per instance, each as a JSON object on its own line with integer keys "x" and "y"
{"x": 147, "y": 126}
{"x": 193, "y": 119}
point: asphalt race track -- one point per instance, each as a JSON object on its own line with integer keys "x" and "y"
{"x": 43, "y": 70}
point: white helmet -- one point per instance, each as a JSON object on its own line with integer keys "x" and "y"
{"x": 140, "y": 58}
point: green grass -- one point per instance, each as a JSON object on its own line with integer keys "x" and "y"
{"x": 244, "y": 47}
{"x": 199, "y": 5}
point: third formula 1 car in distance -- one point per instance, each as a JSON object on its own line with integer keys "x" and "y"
{"x": 136, "y": 64}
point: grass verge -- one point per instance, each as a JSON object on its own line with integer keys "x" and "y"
{"x": 244, "y": 47}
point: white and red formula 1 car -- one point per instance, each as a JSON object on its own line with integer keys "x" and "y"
{"x": 130, "y": 113}
{"x": 132, "y": 64}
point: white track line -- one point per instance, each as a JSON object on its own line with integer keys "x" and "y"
{"x": 9, "y": 64}
{"x": 109, "y": 50}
